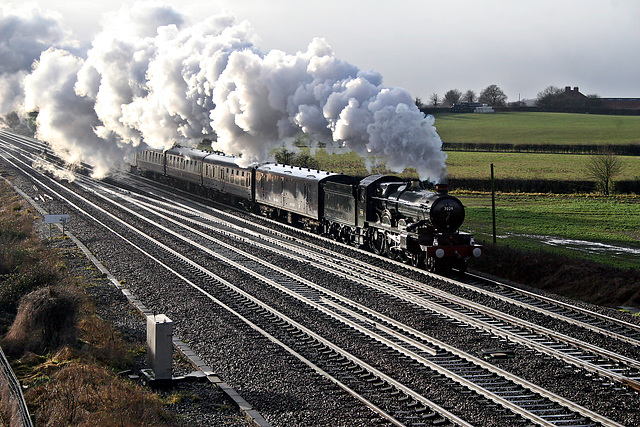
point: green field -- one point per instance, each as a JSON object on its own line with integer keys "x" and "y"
{"x": 477, "y": 165}
{"x": 532, "y": 221}
{"x": 538, "y": 128}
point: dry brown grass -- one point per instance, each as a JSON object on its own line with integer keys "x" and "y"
{"x": 26, "y": 263}
{"x": 62, "y": 351}
{"x": 9, "y": 410}
{"x": 89, "y": 395}
{"x": 46, "y": 321}
{"x": 104, "y": 343}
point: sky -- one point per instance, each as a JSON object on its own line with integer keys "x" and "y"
{"x": 428, "y": 46}
{"x": 112, "y": 77}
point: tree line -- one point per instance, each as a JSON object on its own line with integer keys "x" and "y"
{"x": 551, "y": 97}
{"x": 491, "y": 95}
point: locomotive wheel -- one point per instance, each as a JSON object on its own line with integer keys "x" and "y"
{"x": 346, "y": 235}
{"x": 378, "y": 242}
{"x": 395, "y": 254}
{"x": 416, "y": 260}
{"x": 431, "y": 264}
{"x": 386, "y": 219}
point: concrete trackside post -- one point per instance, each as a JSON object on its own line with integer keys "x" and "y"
{"x": 160, "y": 346}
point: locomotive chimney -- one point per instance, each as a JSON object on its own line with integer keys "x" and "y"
{"x": 442, "y": 187}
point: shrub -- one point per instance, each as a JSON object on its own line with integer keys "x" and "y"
{"x": 46, "y": 320}
{"x": 104, "y": 343}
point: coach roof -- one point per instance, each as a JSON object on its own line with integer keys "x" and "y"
{"x": 297, "y": 172}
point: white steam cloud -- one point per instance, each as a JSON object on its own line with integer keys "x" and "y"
{"x": 25, "y": 32}
{"x": 150, "y": 78}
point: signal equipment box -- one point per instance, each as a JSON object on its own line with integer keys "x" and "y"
{"x": 160, "y": 346}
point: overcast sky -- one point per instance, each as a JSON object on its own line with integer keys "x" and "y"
{"x": 431, "y": 46}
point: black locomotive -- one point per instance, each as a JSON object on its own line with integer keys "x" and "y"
{"x": 392, "y": 216}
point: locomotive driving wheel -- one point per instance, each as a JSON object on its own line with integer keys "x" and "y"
{"x": 386, "y": 218}
{"x": 416, "y": 260}
{"x": 378, "y": 242}
{"x": 431, "y": 264}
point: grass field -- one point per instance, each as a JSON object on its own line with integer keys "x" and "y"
{"x": 477, "y": 165}
{"x": 539, "y": 221}
{"x": 538, "y": 128}
{"x": 461, "y": 164}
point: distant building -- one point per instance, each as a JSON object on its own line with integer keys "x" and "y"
{"x": 621, "y": 103}
{"x": 470, "y": 107}
{"x": 574, "y": 98}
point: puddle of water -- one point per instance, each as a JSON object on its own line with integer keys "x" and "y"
{"x": 597, "y": 248}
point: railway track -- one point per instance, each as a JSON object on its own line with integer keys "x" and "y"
{"x": 415, "y": 355}
{"x": 589, "y": 319}
{"x": 576, "y": 352}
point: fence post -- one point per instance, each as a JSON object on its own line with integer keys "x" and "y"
{"x": 493, "y": 204}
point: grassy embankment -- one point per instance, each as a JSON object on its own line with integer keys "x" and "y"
{"x": 65, "y": 356}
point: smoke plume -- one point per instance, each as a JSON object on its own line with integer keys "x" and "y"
{"x": 25, "y": 32}
{"x": 151, "y": 78}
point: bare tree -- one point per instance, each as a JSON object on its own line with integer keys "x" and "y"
{"x": 419, "y": 103}
{"x": 604, "y": 168}
{"x": 550, "y": 97}
{"x": 493, "y": 95}
{"x": 435, "y": 99}
{"x": 452, "y": 97}
{"x": 469, "y": 96}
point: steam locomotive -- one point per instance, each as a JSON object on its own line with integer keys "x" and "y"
{"x": 391, "y": 216}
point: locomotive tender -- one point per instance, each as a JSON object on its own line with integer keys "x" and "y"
{"x": 391, "y": 216}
